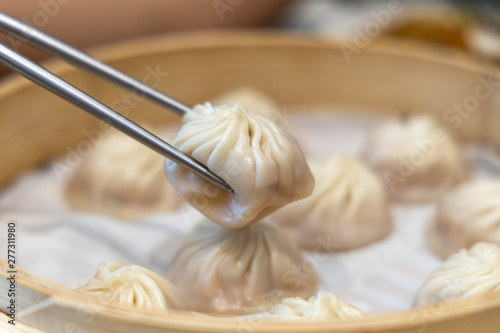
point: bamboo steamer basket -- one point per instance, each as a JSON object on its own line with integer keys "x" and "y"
{"x": 388, "y": 76}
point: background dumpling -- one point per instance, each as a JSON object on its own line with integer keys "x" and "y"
{"x": 468, "y": 214}
{"x": 464, "y": 274}
{"x": 347, "y": 208}
{"x": 261, "y": 162}
{"x": 237, "y": 271}
{"x": 252, "y": 99}
{"x": 325, "y": 306}
{"x": 123, "y": 178}
{"x": 417, "y": 159}
{"x": 133, "y": 286}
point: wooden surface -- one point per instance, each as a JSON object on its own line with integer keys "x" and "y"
{"x": 387, "y": 77}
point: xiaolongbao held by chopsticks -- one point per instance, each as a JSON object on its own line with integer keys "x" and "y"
{"x": 468, "y": 214}
{"x": 262, "y": 163}
{"x": 417, "y": 159}
{"x": 325, "y": 306}
{"x": 133, "y": 286}
{"x": 347, "y": 208}
{"x": 238, "y": 271}
{"x": 123, "y": 178}
{"x": 464, "y": 274}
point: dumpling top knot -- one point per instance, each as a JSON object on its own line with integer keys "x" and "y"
{"x": 133, "y": 286}
{"x": 326, "y": 306}
{"x": 468, "y": 272}
{"x": 261, "y": 162}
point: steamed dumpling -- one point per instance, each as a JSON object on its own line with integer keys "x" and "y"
{"x": 465, "y": 216}
{"x": 237, "y": 271}
{"x": 123, "y": 178}
{"x": 417, "y": 159}
{"x": 253, "y": 100}
{"x": 325, "y": 306}
{"x": 466, "y": 273}
{"x": 261, "y": 162}
{"x": 133, "y": 286}
{"x": 347, "y": 208}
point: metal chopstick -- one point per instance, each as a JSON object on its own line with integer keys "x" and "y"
{"x": 36, "y": 38}
{"x": 63, "y": 89}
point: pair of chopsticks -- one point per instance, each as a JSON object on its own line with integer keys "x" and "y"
{"x": 25, "y": 33}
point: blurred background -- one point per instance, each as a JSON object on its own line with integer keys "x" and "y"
{"x": 466, "y": 26}
{"x": 471, "y": 25}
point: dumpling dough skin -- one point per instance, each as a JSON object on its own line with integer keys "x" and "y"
{"x": 237, "y": 271}
{"x": 347, "y": 208}
{"x": 122, "y": 178}
{"x": 468, "y": 214}
{"x": 417, "y": 159}
{"x": 464, "y": 274}
{"x": 325, "y": 306}
{"x": 261, "y": 162}
{"x": 133, "y": 286}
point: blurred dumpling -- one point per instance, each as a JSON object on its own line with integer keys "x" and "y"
{"x": 261, "y": 162}
{"x": 325, "y": 306}
{"x": 347, "y": 208}
{"x": 417, "y": 159}
{"x": 253, "y": 100}
{"x": 133, "y": 286}
{"x": 237, "y": 271}
{"x": 464, "y": 274}
{"x": 123, "y": 178}
{"x": 468, "y": 214}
